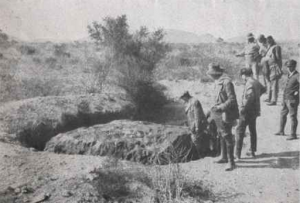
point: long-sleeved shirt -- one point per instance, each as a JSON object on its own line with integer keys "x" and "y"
{"x": 195, "y": 115}
{"x": 251, "y": 53}
{"x": 263, "y": 48}
{"x": 291, "y": 90}
{"x": 225, "y": 98}
{"x": 251, "y": 97}
{"x": 273, "y": 55}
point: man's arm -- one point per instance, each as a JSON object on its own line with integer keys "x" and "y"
{"x": 277, "y": 53}
{"x": 199, "y": 115}
{"x": 248, "y": 99}
{"x": 240, "y": 54}
{"x": 262, "y": 88}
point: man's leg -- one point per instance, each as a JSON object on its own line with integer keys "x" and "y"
{"x": 230, "y": 150}
{"x": 224, "y": 158}
{"x": 228, "y": 137}
{"x": 196, "y": 142}
{"x": 274, "y": 91}
{"x": 253, "y": 134}
{"x": 283, "y": 114}
{"x": 293, "y": 109}
{"x": 269, "y": 91}
{"x": 254, "y": 70}
{"x": 240, "y": 134}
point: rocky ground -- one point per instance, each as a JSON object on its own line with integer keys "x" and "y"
{"x": 272, "y": 177}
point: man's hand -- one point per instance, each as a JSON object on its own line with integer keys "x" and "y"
{"x": 217, "y": 108}
{"x": 242, "y": 111}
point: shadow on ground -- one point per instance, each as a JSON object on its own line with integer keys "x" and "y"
{"x": 282, "y": 160}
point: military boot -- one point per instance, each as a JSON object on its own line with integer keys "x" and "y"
{"x": 231, "y": 165}
{"x": 224, "y": 158}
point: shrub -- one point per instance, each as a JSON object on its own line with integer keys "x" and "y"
{"x": 27, "y": 50}
{"x": 36, "y": 60}
{"x": 51, "y": 61}
{"x": 161, "y": 184}
{"x": 134, "y": 57}
{"x": 60, "y": 50}
{"x": 35, "y": 87}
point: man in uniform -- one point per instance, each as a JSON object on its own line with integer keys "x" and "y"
{"x": 274, "y": 62}
{"x": 251, "y": 54}
{"x": 263, "y": 67}
{"x": 290, "y": 100}
{"x": 226, "y": 105}
{"x": 196, "y": 121}
{"x": 249, "y": 111}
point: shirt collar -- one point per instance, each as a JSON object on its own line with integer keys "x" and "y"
{"x": 292, "y": 73}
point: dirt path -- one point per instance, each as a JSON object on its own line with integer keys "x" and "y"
{"x": 272, "y": 177}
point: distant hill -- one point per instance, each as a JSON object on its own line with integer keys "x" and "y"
{"x": 237, "y": 39}
{"x": 179, "y": 36}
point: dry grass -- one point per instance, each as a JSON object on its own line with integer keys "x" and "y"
{"x": 117, "y": 181}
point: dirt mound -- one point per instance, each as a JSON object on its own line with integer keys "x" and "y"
{"x": 34, "y": 121}
{"x": 131, "y": 140}
{"x": 46, "y": 177}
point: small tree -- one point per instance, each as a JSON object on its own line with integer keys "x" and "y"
{"x": 134, "y": 56}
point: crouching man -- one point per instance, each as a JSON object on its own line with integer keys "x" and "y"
{"x": 226, "y": 111}
{"x": 196, "y": 122}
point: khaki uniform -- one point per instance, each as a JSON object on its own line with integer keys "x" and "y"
{"x": 225, "y": 98}
{"x": 273, "y": 60}
{"x": 251, "y": 53}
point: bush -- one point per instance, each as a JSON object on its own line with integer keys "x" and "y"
{"x": 134, "y": 58}
{"x": 60, "y": 50}
{"x": 27, "y": 50}
{"x": 51, "y": 61}
{"x": 191, "y": 62}
{"x": 155, "y": 183}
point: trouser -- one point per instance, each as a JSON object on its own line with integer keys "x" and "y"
{"x": 263, "y": 73}
{"x": 245, "y": 121}
{"x": 201, "y": 143}
{"x": 289, "y": 107}
{"x": 254, "y": 67}
{"x": 272, "y": 90}
{"x": 227, "y": 143}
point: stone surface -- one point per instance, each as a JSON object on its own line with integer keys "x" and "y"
{"x": 130, "y": 140}
{"x": 34, "y": 121}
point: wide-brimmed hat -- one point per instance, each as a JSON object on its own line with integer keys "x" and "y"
{"x": 186, "y": 94}
{"x": 246, "y": 71}
{"x": 261, "y": 37}
{"x": 291, "y": 63}
{"x": 250, "y": 36}
{"x": 214, "y": 69}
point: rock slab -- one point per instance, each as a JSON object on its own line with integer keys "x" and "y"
{"x": 138, "y": 141}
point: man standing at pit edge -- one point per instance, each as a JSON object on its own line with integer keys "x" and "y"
{"x": 274, "y": 62}
{"x": 251, "y": 53}
{"x": 290, "y": 100}
{"x": 196, "y": 122}
{"x": 226, "y": 105}
{"x": 249, "y": 111}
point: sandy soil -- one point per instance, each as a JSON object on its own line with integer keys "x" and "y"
{"x": 272, "y": 177}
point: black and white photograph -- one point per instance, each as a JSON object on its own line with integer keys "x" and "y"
{"x": 149, "y": 101}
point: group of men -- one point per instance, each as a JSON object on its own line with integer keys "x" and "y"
{"x": 264, "y": 56}
{"x": 225, "y": 111}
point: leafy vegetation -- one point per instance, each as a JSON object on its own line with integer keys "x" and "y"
{"x": 134, "y": 57}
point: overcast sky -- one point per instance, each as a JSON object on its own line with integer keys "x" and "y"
{"x": 67, "y": 19}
